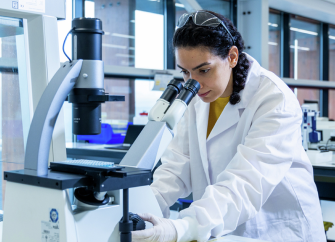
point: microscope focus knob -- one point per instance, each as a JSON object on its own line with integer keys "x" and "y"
{"x": 138, "y": 223}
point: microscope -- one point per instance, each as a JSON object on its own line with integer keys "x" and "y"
{"x": 37, "y": 202}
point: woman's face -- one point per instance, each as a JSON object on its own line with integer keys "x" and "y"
{"x": 212, "y": 72}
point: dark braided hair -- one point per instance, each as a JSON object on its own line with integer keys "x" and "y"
{"x": 219, "y": 42}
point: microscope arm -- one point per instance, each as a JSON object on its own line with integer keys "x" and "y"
{"x": 162, "y": 105}
{"x": 45, "y": 116}
{"x": 162, "y": 111}
{"x": 150, "y": 145}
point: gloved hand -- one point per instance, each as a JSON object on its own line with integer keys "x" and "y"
{"x": 163, "y": 230}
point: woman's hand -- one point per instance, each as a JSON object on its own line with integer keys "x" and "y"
{"x": 163, "y": 230}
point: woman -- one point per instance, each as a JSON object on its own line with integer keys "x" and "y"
{"x": 238, "y": 148}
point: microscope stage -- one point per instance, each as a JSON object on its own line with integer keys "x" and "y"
{"x": 98, "y": 181}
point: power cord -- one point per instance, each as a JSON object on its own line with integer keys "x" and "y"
{"x": 64, "y": 44}
{"x": 325, "y": 147}
{"x": 327, "y": 144}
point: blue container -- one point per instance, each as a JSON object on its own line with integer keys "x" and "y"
{"x": 107, "y": 136}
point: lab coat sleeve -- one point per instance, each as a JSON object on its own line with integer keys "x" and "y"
{"x": 260, "y": 163}
{"x": 172, "y": 179}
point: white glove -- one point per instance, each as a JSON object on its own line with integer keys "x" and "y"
{"x": 163, "y": 230}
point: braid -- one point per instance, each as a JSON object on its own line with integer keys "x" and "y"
{"x": 219, "y": 42}
{"x": 240, "y": 73}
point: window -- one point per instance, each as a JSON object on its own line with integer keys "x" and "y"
{"x": 307, "y": 94}
{"x": 180, "y": 10}
{"x": 274, "y": 42}
{"x": 139, "y": 98}
{"x": 305, "y": 54}
{"x": 14, "y": 104}
{"x": 331, "y": 103}
{"x": 134, "y": 32}
{"x": 218, "y": 6}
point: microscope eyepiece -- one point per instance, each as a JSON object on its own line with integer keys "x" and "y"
{"x": 176, "y": 84}
{"x": 193, "y": 86}
{"x": 172, "y": 90}
{"x": 191, "y": 89}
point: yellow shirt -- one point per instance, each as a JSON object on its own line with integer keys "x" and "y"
{"x": 215, "y": 111}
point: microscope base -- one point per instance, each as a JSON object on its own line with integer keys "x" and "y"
{"x": 28, "y": 211}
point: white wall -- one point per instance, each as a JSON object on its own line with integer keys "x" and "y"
{"x": 252, "y": 23}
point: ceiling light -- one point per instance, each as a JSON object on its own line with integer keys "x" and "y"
{"x": 123, "y": 36}
{"x": 299, "y": 48}
{"x": 272, "y": 43}
{"x": 303, "y": 31}
{"x": 179, "y": 5}
{"x": 331, "y": 37}
{"x": 273, "y": 25}
{"x": 115, "y": 46}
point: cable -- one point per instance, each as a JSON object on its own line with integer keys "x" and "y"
{"x": 64, "y": 44}
{"x": 327, "y": 144}
{"x": 325, "y": 147}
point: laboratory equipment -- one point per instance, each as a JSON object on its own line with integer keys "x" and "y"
{"x": 46, "y": 210}
{"x": 317, "y": 132}
{"x": 308, "y": 127}
{"x": 88, "y": 93}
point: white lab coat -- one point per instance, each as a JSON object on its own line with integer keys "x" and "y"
{"x": 251, "y": 177}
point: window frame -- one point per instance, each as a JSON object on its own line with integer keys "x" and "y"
{"x": 273, "y": 11}
{"x": 324, "y": 59}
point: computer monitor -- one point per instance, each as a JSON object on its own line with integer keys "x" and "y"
{"x": 132, "y": 133}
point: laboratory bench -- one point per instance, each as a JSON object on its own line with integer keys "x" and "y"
{"x": 324, "y": 172}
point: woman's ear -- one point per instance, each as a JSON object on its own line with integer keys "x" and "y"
{"x": 233, "y": 56}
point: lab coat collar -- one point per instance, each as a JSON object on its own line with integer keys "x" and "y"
{"x": 223, "y": 123}
{"x": 229, "y": 116}
{"x": 251, "y": 83}
{"x": 201, "y": 112}
{"x": 231, "y": 113}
